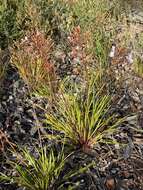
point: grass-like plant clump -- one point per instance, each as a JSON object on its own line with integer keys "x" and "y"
{"x": 83, "y": 115}
{"x": 79, "y": 63}
{"x": 36, "y": 173}
{"x": 32, "y": 58}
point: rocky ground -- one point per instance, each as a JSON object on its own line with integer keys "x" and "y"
{"x": 117, "y": 167}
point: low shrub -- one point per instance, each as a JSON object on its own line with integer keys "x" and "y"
{"x": 56, "y": 17}
{"x": 8, "y": 26}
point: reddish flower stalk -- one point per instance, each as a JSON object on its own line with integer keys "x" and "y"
{"x": 78, "y": 43}
{"x": 32, "y": 57}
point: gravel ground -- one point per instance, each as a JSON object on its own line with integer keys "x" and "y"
{"x": 117, "y": 167}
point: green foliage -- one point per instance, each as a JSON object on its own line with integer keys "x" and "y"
{"x": 90, "y": 12}
{"x": 96, "y": 16}
{"x": 2, "y": 72}
{"x": 138, "y": 46}
{"x": 17, "y": 17}
{"x": 8, "y": 27}
{"x": 138, "y": 66}
{"x": 56, "y": 17}
{"x": 41, "y": 171}
{"x": 83, "y": 114}
{"x": 3, "y": 66}
{"x": 36, "y": 173}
